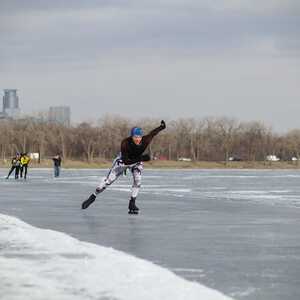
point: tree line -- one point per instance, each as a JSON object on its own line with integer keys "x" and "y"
{"x": 207, "y": 139}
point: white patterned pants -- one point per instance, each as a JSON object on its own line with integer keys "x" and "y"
{"x": 118, "y": 168}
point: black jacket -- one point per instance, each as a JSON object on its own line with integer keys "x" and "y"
{"x": 57, "y": 161}
{"x": 132, "y": 153}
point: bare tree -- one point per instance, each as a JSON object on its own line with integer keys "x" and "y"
{"x": 211, "y": 139}
{"x": 227, "y": 129}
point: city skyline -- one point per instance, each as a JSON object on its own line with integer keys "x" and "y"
{"x": 164, "y": 59}
{"x": 10, "y": 104}
{"x": 11, "y": 109}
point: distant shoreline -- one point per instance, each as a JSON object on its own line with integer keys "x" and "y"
{"x": 166, "y": 164}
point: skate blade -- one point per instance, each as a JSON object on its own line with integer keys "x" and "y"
{"x": 86, "y": 204}
{"x": 133, "y": 212}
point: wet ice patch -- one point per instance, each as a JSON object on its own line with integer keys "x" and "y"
{"x": 45, "y": 264}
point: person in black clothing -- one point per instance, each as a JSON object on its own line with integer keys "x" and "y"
{"x": 132, "y": 158}
{"x": 57, "y": 163}
{"x": 15, "y": 165}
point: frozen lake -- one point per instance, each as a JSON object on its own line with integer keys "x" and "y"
{"x": 236, "y": 231}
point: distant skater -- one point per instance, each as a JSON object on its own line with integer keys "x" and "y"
{"x": 15, "y": 166}
{"x": 56, "y": 164}
{"x": 25, "y": 159}
{"x": 131, "y": 157}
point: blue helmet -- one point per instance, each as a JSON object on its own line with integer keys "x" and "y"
{"x": 136, "y": 131}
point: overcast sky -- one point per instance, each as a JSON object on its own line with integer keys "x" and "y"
{"x": 157, "y": 58}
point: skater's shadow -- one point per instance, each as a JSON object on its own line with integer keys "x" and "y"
{"x": 92, "y": 224}
{"x": 119, "y": 233}
{"x": 135, "y": 239}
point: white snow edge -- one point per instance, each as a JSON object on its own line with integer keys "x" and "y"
{"x": 45, "y": 264}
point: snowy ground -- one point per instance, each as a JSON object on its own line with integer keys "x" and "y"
{"x": 237, "y": 232}
{"x": 44, "y": 264}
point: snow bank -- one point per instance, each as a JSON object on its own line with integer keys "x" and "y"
{"x": 45, "y": 264}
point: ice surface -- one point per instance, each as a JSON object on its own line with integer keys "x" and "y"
{"x": 45, "y": 264}
{"x": 235, "y": 231}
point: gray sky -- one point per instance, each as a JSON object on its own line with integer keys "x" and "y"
{"x": 159, "y": 58}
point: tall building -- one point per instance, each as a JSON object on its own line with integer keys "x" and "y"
{"x": 11, "y": 104}
{"x": 60, "y": 115}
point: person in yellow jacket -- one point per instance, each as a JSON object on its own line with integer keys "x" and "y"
{"x": 25, "y": 159}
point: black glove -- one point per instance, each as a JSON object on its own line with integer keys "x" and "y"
{"x": 145, "y": 157}
{"x": 163, "y": 124}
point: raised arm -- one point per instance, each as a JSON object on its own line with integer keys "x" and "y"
{"x": 148, "y": 138}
